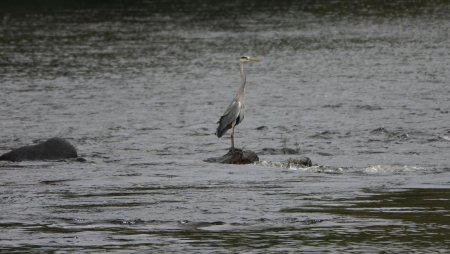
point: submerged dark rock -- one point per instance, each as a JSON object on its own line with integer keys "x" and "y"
{"x": 52, "y": 149}
{"x": 236, "y": 156}
{"x": 379, "y": 130}
{"x": 301, "y": 162}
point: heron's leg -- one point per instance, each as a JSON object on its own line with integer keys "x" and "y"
{"x": 232, "y": 136}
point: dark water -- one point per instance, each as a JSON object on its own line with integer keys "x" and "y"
{"x": 360, "y": 87}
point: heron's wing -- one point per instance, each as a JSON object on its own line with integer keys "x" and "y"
{"x": 231, "y": 114}
{"x": 233, "y": 107}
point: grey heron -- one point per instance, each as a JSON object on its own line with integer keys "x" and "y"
{"x": 234, "y": 114}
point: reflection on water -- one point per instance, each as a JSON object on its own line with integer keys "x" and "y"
{"x": 360, "y": 87}
{"x": 407, "y": 217}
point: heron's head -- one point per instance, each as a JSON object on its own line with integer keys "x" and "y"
{"x": 249, "y": 59}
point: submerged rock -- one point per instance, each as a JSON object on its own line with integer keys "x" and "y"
{"x": 52, "y": 149}
{"x": 301, "y": 162}
{"x": 291, "y": 163}
{"x": 236, "y": 156}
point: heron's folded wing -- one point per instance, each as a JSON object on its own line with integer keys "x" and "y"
{"x": 230, "y": 115}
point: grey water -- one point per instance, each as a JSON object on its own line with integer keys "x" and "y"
{"x": 360, "y": 87}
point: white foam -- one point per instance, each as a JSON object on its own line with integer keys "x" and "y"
{"x": 390, "y": 169}
{"x": 290, "y": 166}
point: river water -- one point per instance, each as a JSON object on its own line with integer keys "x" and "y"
{"x": 360, "y": 87}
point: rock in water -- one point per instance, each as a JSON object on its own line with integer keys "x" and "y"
{"x": 302, "y": 162}
{"x": 236, "y": 156}
{"x": 52, "y": 149}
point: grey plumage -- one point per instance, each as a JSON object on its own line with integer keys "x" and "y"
{"x": 234, "y": 114}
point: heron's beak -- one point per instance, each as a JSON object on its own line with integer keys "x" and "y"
{"x": 255, "y": 59}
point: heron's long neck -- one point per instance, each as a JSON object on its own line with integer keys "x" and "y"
{"x": 242, "y": 88}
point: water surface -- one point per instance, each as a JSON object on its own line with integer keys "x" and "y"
{"x": 362, "y": 89}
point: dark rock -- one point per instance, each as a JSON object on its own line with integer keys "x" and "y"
{"x": 236, "y": 156}
{"x": 302, "y": 162}
{"x": 379, "y": 130}
{"x": 262, "y": 128}
{"x": 81, "y": 159}
{"x": 52, "y": 149}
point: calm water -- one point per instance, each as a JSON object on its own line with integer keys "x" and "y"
{"x": 362, "y": 88}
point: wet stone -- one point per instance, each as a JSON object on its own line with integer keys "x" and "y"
{"x": 236, "y": 156}
{"x": 52, "y": 149}
{"x": 379, "y": 130}
{"x": 300, "y": 162}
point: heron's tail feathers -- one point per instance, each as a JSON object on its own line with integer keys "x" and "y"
{"x": 219, "y": 133}
{"x": 222, "y": 128}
